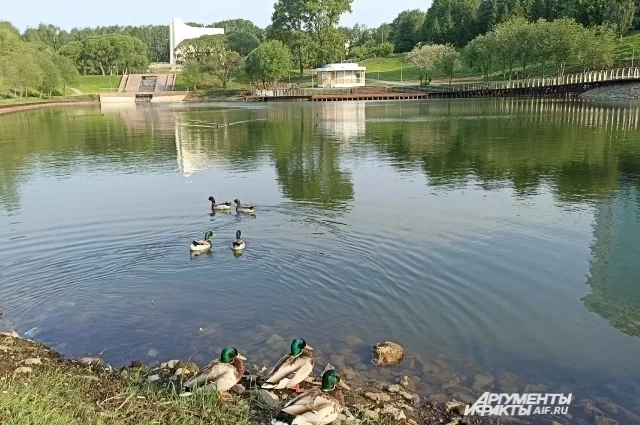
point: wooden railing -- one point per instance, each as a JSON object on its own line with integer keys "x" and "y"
{"x": 580, "y": 78}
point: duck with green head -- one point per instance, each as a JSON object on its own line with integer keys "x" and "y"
{"x": 238, "y": 244}
{"x": 319, "y": 406}
{"x": 292, "y": 369}
{"x": 244, "y": 208}
{"x": 201, "y": 245}
{"x": 226, "y": 206}
{"x": 221, "y": 374}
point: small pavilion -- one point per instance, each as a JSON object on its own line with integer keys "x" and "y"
{"x": 341, "y": 75}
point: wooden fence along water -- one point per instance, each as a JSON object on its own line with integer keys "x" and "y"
{"x": 570, "y": 85}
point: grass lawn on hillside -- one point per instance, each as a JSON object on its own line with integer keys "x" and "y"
{"x": 93, "y": 84}
{"x": 629, "y": 48}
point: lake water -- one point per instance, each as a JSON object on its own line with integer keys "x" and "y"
{"x": 489, "y": 237}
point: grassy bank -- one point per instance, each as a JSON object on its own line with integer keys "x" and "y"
{"x": 94, "y": 84}
{"x": 64, "y": 392}
{"x": 40, "y": 387}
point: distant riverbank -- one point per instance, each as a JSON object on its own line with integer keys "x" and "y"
{"x": 69, "y": 101}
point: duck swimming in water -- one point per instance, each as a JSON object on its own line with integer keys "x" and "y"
{"x": 244, "y": 208}
{"x": 201, "y": 245}
{"x": 219, "y": 207}
{"x": 238, "y": 244}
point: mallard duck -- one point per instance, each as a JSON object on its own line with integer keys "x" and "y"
{"x": 219, "y": 207}
{"x": 244, "y": 208}
{"x": 292, "y": 369}
{"x": 200, "y": 245}
{"x": 318, "y": 406}
{"x": 238, "y": 244}
{"x": 221, "y": 374}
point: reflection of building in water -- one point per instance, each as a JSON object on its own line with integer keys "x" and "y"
{"x": 189, "y": 148}
{"x": 615, "y": 266}
{"x": 344, "y": 120}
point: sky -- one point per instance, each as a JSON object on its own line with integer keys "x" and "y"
{"x": 88, "y": 13}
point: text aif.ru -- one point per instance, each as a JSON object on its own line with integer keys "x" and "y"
{"x": 494, "y": 404}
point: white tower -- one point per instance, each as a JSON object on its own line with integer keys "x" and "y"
{"x": 179, "y": 31}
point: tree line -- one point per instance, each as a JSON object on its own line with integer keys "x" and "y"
{"x": 30, "y": 66}
{"x": 459, "y": 21}
{"x": 558, "y": 44}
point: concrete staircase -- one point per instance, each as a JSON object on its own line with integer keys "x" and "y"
{"x": 130, "y": 83}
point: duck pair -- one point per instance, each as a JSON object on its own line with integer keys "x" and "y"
{"x": 226, "y": 206}
{"x": 317, "y": 406}
{"x": 202, "y": 245}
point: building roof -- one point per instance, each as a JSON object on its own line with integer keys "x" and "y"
{"x": 341, "y": 67}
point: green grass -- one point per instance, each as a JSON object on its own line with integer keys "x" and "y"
{"x": 629, "y": 47}
{"x": 23, "y": 101}
{"x": 61, "y": 392}
{"x": 94, "y": 84}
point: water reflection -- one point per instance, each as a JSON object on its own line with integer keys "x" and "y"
{"x": 615, "y": 268}
{"x": 463, "y": 229}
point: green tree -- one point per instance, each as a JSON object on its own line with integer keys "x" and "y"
{"x": 621, "y": 13}
{"x": 198, "y": 48}
{"x": 449, "y": 61}
{"x": 268, "y": 63}
{"x": 223, "y": 64}
{"x": 288, "y": 26}
{"x": 27, "y": 72}
{"x": 51, "y": 78}
{"x": 406, "y": 30}
{"x": 192, "y": 73}
{"x": 451, "y": 21}
{"x": 242, "y": 42}
{"x": 31, "y": 35}
{"x": 598, "y": 46}
{"x": 425, "y": 57}
{"x": 69, "y": 74}
{"x": 488, "y": 15}
{"x": 73, "y": 51}
{"x": 242, "y": 26}
{"x": 10, "y": 27}
{"x": 480, "y": 53}
{"x": 564, "y": 42}
{"x": 382, "y": 33}
{"x": 309, "y": 28}
{"x": 321, "y": 21}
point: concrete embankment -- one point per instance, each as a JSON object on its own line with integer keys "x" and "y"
{"x": 614, "y": 91}
{"x": 79, "y": 100}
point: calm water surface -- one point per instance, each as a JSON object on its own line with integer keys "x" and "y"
{"x": 491, "y": 237}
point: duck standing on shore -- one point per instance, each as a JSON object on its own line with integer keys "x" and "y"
{"x": 319, "y": 406}
{"x": 244, "y": 208}
{"x": 292, "y": 369}
{"x": 221, "y": 374}
{"x": 226, "y": 206}
{"x": 201, "y": 245}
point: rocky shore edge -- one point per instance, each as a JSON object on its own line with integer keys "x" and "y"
{"x": 630, "y": 90}
{"x": 138, "y": 393}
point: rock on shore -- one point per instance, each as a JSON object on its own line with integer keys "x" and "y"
{"x": 387, "y": 353}
{"x": 614, "y": 91}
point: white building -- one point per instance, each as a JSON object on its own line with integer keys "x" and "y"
{"x": 179, "y": 31}
{"x": 341, "y": 75}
